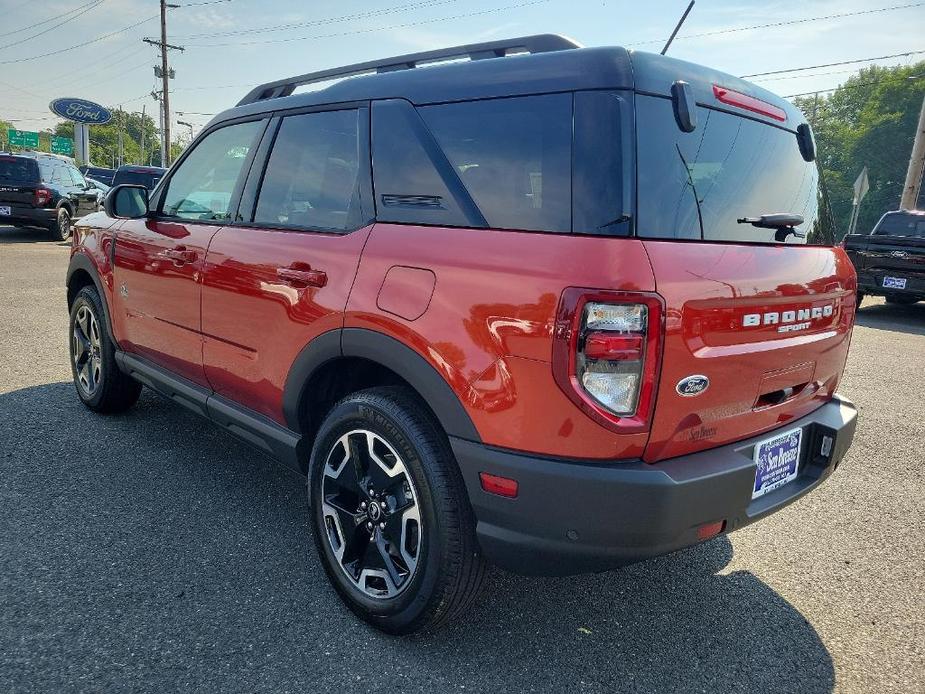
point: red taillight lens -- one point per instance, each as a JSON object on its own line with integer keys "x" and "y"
{"x": 606, "y": 354}
{"x": 708, "y": 530}
{"x": 42, "y": 197}
{"x": 749, "y": 103}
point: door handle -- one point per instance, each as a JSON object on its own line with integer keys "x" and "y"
{"x": 302, "y": 277}
{"x": 180, "y": 255}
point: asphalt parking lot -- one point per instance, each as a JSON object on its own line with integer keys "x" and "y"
{"x": 152, "y": 552}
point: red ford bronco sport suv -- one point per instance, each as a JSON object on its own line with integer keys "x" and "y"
{"x": 555, "y": 308}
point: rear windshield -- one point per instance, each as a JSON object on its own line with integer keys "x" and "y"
{"x": 901, "y": 225}
{"x": 20, "y": 169}
{"x": 697, "y": 185}
{"x": 148, "y": 180}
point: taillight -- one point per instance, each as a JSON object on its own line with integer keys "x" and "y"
{"x": 41, "y": 197}
{"x": 606, "y": 354}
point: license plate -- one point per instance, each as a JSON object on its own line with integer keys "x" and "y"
{"x": 894, "y": 282}
{"x": 778, "y": 460}
{"x": 6, "y": 211}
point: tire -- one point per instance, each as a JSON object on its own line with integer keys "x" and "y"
{"x": 100, "y": 384}
{"x": 426, "y": 527}
{"x": 901, "y": 300}
{"x": 60, "y": 230}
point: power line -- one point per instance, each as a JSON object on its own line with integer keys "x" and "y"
{"x": 789, "y": 22}
{"x": 843, "y": 62}
{"x": 847, "y": 86}
{"x": 54, "y": 26}
{"x": 79, "y": 45}
{"x": 367, "y": 14}
{"x": 375, "y": 29}
{"x": 45, "y": 21}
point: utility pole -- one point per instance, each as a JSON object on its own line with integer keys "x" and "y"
{"x": 165, "y": 76}
{"x": 913, "y": 184}
{"x": 142, "y": 158}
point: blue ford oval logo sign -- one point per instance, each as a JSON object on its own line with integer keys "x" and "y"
{"x": 692, "y": 385}
{"x": 80, "y": 111}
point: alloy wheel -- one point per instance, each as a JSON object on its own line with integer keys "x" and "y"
{"x": 86, "y": 350}
{"x": 371, "y": 514}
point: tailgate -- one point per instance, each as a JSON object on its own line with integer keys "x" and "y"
{"x": 16, "y": 194}
{"x": 897, "y": 256}
{"x": 769, "y": 326}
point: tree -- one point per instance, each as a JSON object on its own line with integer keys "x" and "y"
{"x": 869, "y": 121}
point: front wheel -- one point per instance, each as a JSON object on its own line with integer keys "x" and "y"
{"x": 100, "y": 384}
{"x": 392, "y": 522}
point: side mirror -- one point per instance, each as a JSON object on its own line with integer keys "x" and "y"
{"x": 806, "y": 141}
{"x": 127, "y": 202}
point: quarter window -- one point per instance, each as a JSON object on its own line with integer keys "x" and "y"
{"x": 201, "y": 188}
{"x": 513, "y": 156}
{"x": 313, "y": 174}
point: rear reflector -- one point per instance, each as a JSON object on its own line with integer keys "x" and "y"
{"x": 502, "y": 486}
{"x": 748, "y": 103}
{"x": 708, "y": 530}
{"x": 616, "y": 347}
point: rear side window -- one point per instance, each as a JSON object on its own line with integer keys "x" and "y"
{"x": 697, "y": 185}
{"x": 202, "y": 185}
{"x": 512, "y": 155}
{"x": 901, "y": 225}
{"x": 18, "y": 169}
{"x": 312, "y": 177}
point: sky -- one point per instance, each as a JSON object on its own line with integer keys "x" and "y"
{"x": 232, "y": 45}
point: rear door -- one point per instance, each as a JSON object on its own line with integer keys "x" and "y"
{"x": 767, "y": 323}
{"x": 159, "y": 260}
{"x": 282, "y": 274}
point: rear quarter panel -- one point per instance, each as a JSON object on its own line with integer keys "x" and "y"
{"x": 487, "y": 326}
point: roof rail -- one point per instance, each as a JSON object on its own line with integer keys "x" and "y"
{"x": 540, "y": 43}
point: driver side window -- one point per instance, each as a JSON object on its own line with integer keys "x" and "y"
{"x": 202, "y": 186}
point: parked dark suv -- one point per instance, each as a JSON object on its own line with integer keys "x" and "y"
{"x": 43, "y": 190}
{"x": 556, "y": 308}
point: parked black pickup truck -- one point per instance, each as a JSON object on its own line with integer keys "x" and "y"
{"x": 890, "y": 261}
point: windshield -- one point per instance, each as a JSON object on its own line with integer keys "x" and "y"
{"x": 698, "y": 185}
{"x": 18, "y": 169}
{"x": 901, "y": 225}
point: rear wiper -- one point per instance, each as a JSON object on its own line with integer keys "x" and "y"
{"x": 784, "y": 222}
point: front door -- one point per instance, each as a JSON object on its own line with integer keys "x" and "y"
{"x": 159, "y": 260}
{"x": 282, "y": 276}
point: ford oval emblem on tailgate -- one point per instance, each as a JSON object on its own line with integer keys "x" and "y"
{"x": 692, "y": 385}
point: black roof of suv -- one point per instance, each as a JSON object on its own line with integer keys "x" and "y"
{"x": 535, "y": 64}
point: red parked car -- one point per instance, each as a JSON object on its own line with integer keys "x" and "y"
{"x": 556, "y": 308}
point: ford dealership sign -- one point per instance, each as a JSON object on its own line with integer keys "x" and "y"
{"x": 80, "y": 111}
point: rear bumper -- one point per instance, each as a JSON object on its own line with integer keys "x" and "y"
{"x": 29, "y": 216}
{"x": 872, "y": 283}
{"x": 575, "y": 517}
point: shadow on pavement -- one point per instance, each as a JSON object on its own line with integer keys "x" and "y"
{"x": 893, "y": 317}
{"x": 10, "y": 234}
{"x": 152, "y": 551}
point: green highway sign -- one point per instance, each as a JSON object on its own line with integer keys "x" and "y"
{"x": 23, "y": 138}
{"x": 62, "y": 145}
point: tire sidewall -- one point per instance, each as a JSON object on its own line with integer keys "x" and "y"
{"x": 359, "y": 413}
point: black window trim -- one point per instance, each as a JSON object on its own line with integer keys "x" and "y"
{"x": 157, "y": 195}
{"x": 253, "y": 183}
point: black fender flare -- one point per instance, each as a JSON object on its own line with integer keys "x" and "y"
{"x": 80, "y": 261}
{"x": 393, "y": 355}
